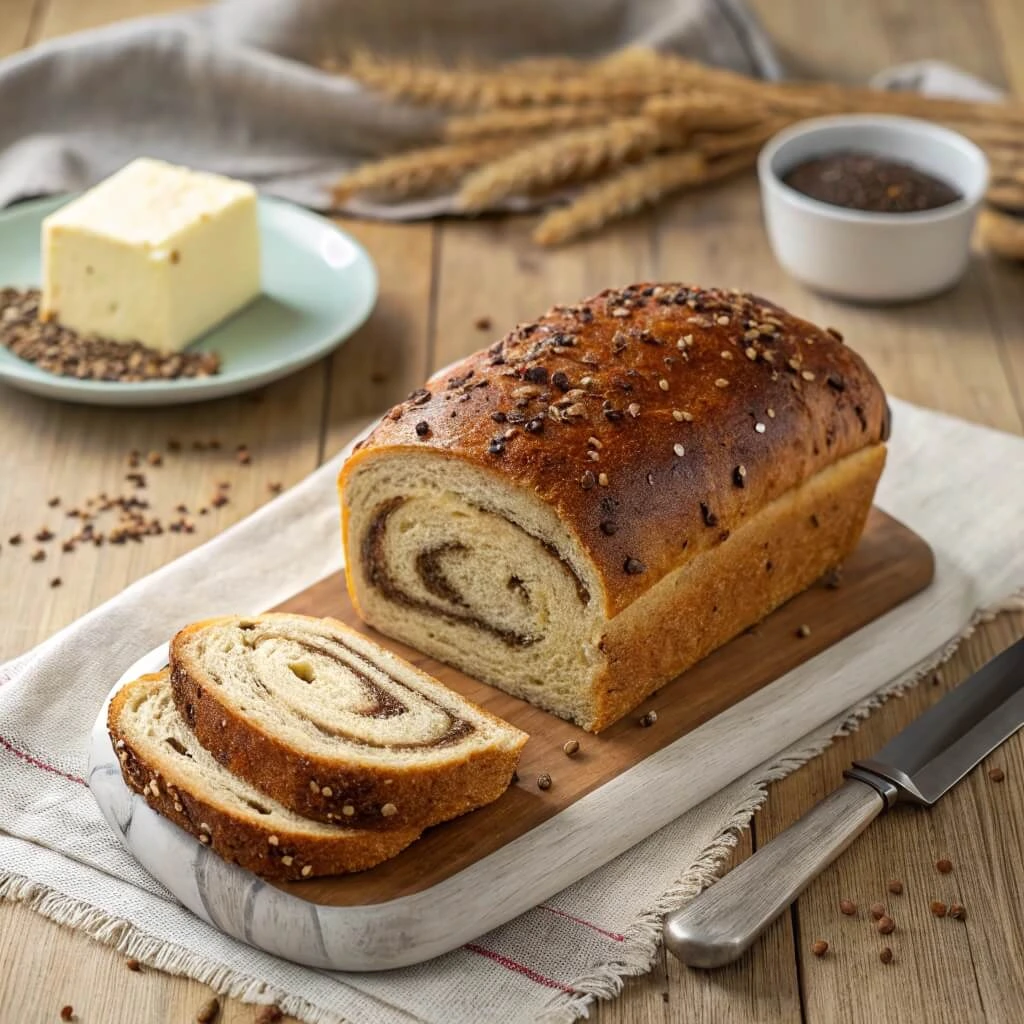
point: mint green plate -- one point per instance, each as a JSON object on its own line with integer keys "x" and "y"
{"x": 319, "y": 286}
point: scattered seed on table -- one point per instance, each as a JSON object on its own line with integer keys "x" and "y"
{"x": 957, "y": 911}
{"x": 996, "y": 774}
{"x": 274, "y": 486}
{"x": 38, "y": 555}
{"x": 67, "y": 1013}
{"x": 44, "y": 535}
{"x": 886, "y": 925}
{"x": 833, "y": 579}
{"x": 173, "y": 444}
{"x": 269, "y": 1015}
{"x": 848, "y": 907}
{"x": 208, "y": 1011}
{"x": 544, "y": 781}
{"x": 648, "y": 719}
{"x": 155, "y": 459}
{"x": 877, "y": 911}
{"x": 938, "y": 908}
{"x": 53, "y": 502}
{"x": 895, "y": 886}
{"x": 819, "y": 948}
{"x": 482, "y": 323}
{"x": 886, "y": 955}
{"x": 804, "y": 631}
{"x": 56, "y": 581}
{"x": 14, "y": 540}
{"x": 243, "y": 457}
{"x": 133, "y": 965}
{"x": 571, "y": 748}
{"x": 944, "y": 866}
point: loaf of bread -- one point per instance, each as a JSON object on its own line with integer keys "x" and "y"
{"x": 334, "y": 727}
{"x": 161, "y": 759}
{"x": 604, "y": 496}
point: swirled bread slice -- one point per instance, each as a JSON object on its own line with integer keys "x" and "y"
{"x": 607, "y": 494}
{"x": 161, "y": 759}
{"x": 335, "y": 727}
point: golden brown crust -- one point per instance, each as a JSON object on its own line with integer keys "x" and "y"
{"x": 705, "y": 406}
{"x": 321, "y": 788}
{"x": 778, "y": 553}
{"x": 235, "y": 838}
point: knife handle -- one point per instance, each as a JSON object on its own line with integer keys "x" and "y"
{"x": 722, "y": 923}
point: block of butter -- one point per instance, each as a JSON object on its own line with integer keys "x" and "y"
{"x": 155, "y": 253}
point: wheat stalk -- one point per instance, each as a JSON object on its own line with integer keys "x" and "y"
{"x": 524, "y": 122}
{"x": 469, "y": 89}
{"x": 634, "y": 188}
{"x": 539, "y": 123}
{"x": 713, "y": 144}
{"x": 700, "y": 111}
{"x": 573, "y": 156}
{"x": 420, "y": 171}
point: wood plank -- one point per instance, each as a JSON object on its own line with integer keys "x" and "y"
{"x": 851, "y": 42}
{"x": 646, "y": 995}
{"x": 74, "y": 452}
{"x": 47, "y": 967}
{"x": 387, "y": 357}
{"x": 1007, "y": 19}
{"x": 65, "y": 16}
{"x": 16, "y": 25}
{"x": 1003, "y": 284}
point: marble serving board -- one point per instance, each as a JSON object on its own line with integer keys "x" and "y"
{"x": 465, "y": 877}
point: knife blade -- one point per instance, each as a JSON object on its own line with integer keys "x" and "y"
{"x": 918, "y": 766}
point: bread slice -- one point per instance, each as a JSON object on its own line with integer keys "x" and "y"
{"x": 164, "y": 762}
{"x": 335, "y": 727}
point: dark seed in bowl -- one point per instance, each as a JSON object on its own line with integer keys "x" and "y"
{"x": 862, "y": 181}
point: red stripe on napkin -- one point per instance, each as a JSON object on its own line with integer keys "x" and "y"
{"x": 36, "y": 763}
{"x": 514, "y": 965}
{"x": 586, "y": 924}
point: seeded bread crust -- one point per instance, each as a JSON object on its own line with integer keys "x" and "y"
{"x": 691, "y": 457}
{"x": 764, "y": 400}
{"x": 294, "y": 856}
{"x": 340, "y": 789}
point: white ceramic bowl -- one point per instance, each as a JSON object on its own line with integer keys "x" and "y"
{"x": 872, "y": 257}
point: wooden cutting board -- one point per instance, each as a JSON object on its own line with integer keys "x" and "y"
{"x": 890, "y": 565}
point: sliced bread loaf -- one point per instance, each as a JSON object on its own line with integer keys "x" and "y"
{"x": 162, "y": 760}
{"x": 335, "y": 727}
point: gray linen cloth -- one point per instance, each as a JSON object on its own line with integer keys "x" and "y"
{"x": 236, "y": 88}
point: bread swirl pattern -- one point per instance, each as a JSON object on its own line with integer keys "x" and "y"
{"x": 515, "y": 515}
{"x": 162, "y": 760}
{"x": 334, "y": 727}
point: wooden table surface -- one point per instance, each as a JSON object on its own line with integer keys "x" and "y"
{"x": 962, "y": 353}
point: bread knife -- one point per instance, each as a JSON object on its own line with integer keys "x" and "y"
{"x": 919, "y": 766}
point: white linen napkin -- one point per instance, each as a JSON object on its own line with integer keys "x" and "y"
{"x": 960, "y": 486}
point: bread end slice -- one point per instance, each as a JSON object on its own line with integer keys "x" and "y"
{"x": 162, "y": 760}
